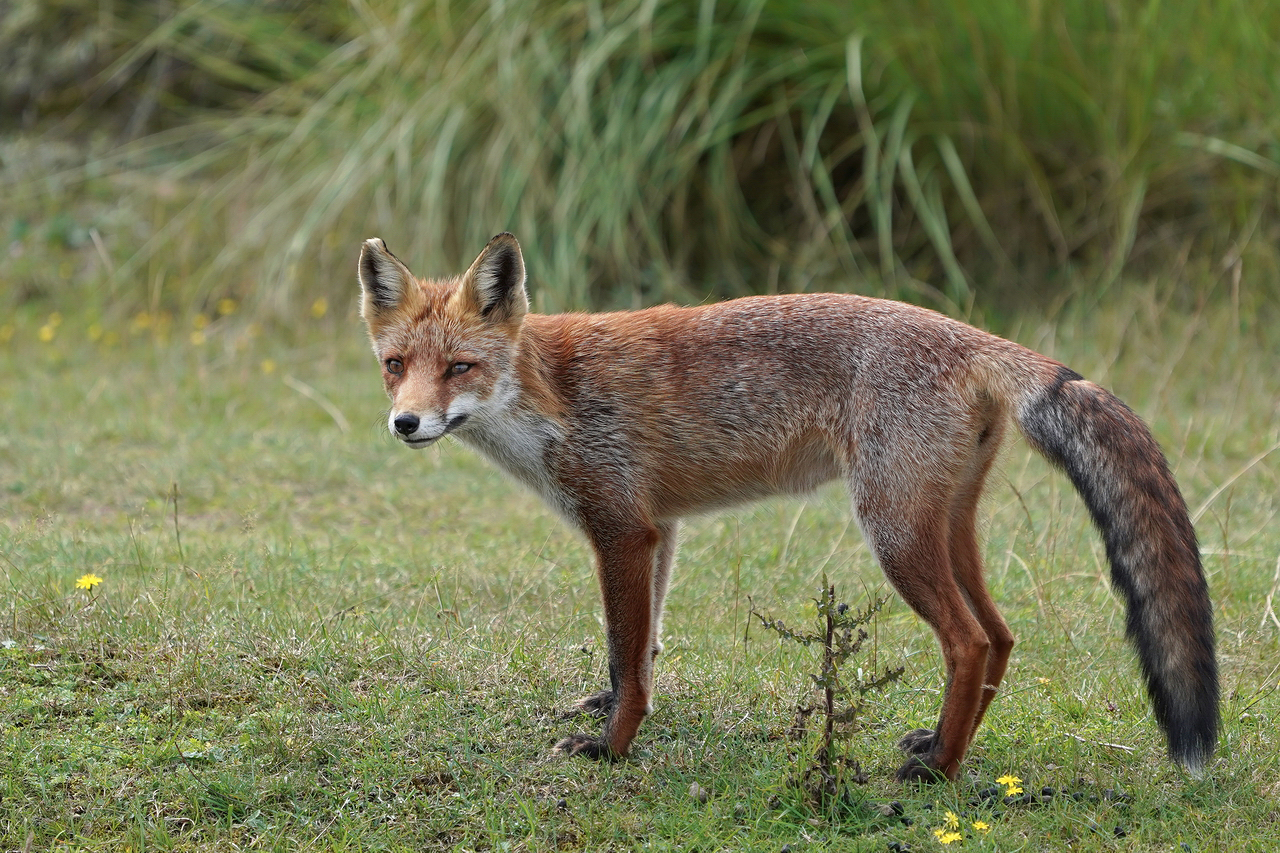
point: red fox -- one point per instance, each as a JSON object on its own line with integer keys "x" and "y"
{"x": 626, "y": 422}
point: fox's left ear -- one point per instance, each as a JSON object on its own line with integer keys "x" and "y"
{"x": 494, "y": 286}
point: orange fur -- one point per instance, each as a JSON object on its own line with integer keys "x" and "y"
{"x": 626, "y": 422}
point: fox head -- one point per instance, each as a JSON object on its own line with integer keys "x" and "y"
{"x": 447, "y": 347}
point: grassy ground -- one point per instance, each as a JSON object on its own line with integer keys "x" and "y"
{"x": 306, "y": 638}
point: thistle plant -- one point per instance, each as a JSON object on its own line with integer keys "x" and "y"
{"x": 837, "y": 697}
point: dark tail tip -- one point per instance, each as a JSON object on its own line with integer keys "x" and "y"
{"x": 1182, "y": 679}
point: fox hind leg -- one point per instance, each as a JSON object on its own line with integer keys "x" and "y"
{"x": 914, "y": 551}
{"x": 966, "y": 565}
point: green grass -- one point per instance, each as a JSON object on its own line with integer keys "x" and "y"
{"x": 327, "y": 643}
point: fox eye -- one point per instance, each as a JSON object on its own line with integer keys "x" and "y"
{"x": 459, "y": 367}
{"x": 394, "y": 366}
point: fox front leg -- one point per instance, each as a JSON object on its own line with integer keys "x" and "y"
{"x": 601, "y": 704}
{"x": 625, "y": 564}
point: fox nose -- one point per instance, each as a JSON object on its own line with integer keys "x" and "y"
{"x": 406, "y": 424}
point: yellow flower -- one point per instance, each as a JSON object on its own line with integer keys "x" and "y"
{"x": 1010, "y": 783}
{"x": 200, "y": 321}
{"x": 981, "y": 826}
{"x": 319, "y": 308}
{"x": 951, "y": 820}
{"x": 226, "y": 306}
{"x": 268, "y": 366}
{"x": 88, "y": 582}
{"x": 945, "y": 837}
{"x": 46, "y": 333}
{"x": 197, "y": 338}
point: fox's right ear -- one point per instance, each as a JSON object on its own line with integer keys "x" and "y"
{"x": 386, "y": 281}
{"x": 494, "y": 285}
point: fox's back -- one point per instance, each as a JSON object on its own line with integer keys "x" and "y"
{"x": 752, "y": 352}
{"x": 718, "y": 404}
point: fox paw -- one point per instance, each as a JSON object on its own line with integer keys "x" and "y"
{"x": 598, "y": 705}
{"x": 917, "y": 742}
{"x": 916, "y": 770}
{"x": 586, "y": 746}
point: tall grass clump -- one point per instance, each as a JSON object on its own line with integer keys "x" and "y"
{"x": 652, "y": 149}
{"x": 139, "y": 67}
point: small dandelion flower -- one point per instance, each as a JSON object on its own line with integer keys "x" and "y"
{"x": 319, "y": 308}
{"x": 200, "y": 321}
{"x": 982, "y": 826}
{"x": 268, "y": 366}
{"x": 1010, "y": 782}
{"x": 945, "y": 837}
{"x": 88, "y": 582}
{"x": 951, "y": 820}
{"x": 198, "y": 338}
{"x": 226, "y": 306}
{"x": 46, "y": 333}
{"x": 1042, "y": 680}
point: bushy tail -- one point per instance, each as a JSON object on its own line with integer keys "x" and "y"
{"x": 1118, "y": 468}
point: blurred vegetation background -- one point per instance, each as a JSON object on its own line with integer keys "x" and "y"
{"x": 176, "y": 156}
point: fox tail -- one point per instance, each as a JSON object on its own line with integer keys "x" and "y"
{"x": 1123, "y": 478}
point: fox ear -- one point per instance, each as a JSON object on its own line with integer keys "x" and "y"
{"x": 383, "y": 278}
{"x": 495, "y": 283}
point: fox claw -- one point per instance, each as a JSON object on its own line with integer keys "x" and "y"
{"x": 596, "y": 705}
{"x": 916, "y": 770}
{"x": 586, "y": 746}
{"x": 917, "y": 742}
